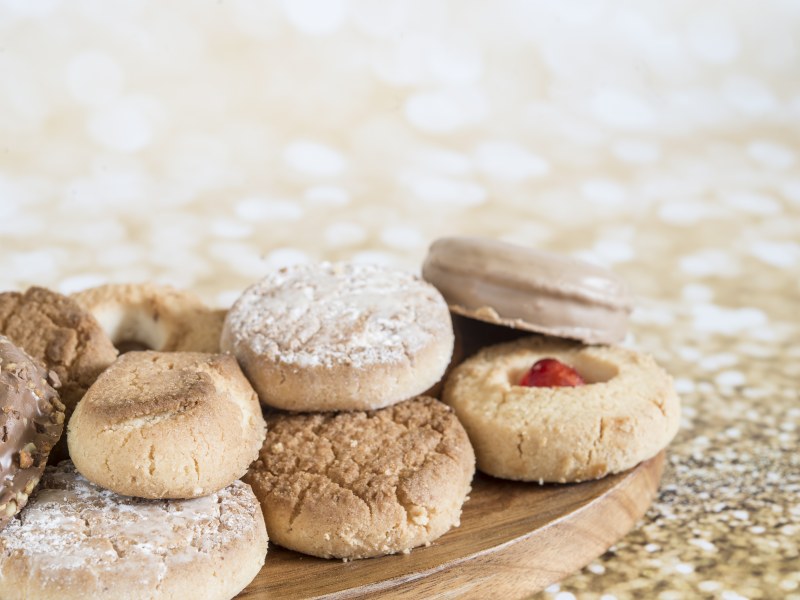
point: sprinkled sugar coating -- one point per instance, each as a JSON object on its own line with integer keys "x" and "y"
{"x": 77, "y": 540}
{"x": 339, "y": 336}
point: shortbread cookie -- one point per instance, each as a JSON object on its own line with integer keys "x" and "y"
{"x": 339, "y": 336}
{"x": 31, "y": 422}
{"x": 360, "y": 484}
{"x": 144, "y": 316}
{"x": 54, "y": 329}
{"x": 76, "y": 540}
{"x": 626, "y": 413}
{"x": 167, "y": 425}
{"x": 529, "y": 289}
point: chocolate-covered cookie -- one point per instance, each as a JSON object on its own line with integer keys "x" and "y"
{"x": 529, "y": 289}
{"x": 31, "y": 422}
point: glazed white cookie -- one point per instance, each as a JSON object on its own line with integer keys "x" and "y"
{"x": 339, "y": 336}
{"x": 76, "y": 540}
{"x": 360, "y": 484}
{"x": 167, "y": 425}
{"x": 145, "y": 316}
{"x": 626, "y": 413}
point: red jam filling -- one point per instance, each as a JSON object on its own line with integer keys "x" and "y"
{"x": 550, "y": 372}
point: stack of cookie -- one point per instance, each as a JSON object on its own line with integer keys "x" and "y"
{"x": 353, "y": 458}
{"x": 382, "y": 469}
{"x": 151, "y": 507}
{"x": 566, "y": 405}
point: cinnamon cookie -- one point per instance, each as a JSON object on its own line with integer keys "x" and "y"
{"x": 144, "y": 316}
{"x": 360, "y": 484}
{"x": 626, "y": 413}
{"x": 529, "y": 289}
{"x": 76, "y": 540}
{"x": 31, "y": 421}
{"x": 339, "y": 336}
{"x": 167, "y": 425}
{"x": 53, "y": 329}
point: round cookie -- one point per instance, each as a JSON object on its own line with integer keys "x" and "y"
{"x": 167, "y": 425}
{"x": 361, "y": 484}
{"x": 626, "y": 413}
{"x": 529, "y": 289}
{"x": 144, "y": 316}
{"x": 31, "y": 421}
{"x": 339, "y": 336}
{"x": 76, "y": 540}
{"x": 55, "y": 330}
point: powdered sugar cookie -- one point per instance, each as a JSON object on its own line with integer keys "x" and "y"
{"x": 626, "y": 412}
{"x": 339, "y": 336}
{"x": 76, "y": 540}
{"x": 359, "y": 484}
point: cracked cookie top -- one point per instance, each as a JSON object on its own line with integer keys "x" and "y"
{"x": 55, "y": 330}
{"x": 337, "y": 313}
{"x": 167, "y": 425}
{"x": 359, "y": 484}
{"x": 76, "y": 539}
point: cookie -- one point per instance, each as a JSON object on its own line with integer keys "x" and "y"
{"x": 31, "y": 422}
{"x": 167, "y": 425}
{"x": 626, "y": 413}
{"x": 360, "y": 484}
{"x": 339, "y": 337}
{"x": 529, "y": 289}
{"x": 76, "y": 540}
{"x": 144, "y": 316}
{"x": 55, "y": 330}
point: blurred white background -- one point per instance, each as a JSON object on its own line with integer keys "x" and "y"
{"x": 202, "y": 143}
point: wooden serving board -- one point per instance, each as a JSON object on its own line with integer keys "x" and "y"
{"x": 514, "y": 539}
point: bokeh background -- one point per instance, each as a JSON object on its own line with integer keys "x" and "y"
{"x": 204, "y": 143}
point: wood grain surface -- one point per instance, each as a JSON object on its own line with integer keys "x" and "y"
{"x": 514, "y": 539}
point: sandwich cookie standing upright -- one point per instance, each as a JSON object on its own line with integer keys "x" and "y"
{"x": 339, "y": 337}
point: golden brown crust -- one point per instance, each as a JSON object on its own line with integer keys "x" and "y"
{"x": 55, "y": 330}
{"x": 627, "y": 412}
{"x": 154, "y": 317}
{"x": 359, "y": 484}
{"x": 167, "y": 425}
{"x": 342, "y": 386}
